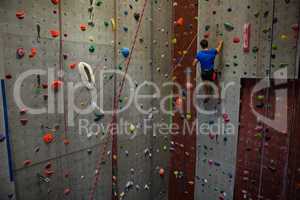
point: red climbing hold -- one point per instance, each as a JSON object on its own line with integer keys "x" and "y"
{"x": 48, "y": 173}
{"x": 56, "y": 84}
{"x": 54, "y": 33}
{"x": 8, "y": 76}
{"x": 66, "y": 141}
{"x": 45, "y": 85}
{"x": 33, "y": 53}
{"x": 20, "y": 14}
{"x": 48, "y": 138}
{"x": 161, "y": 172}
{"x": 206, "y": 35}
{"x": 55, "y": 2}
{"x": 23, "y": 121}
{"x": 27, "y": 162}
{"x": 236, "y": 40}
{"x": 295, "y": 27}
{"x": 83, "y": 27}
{"x": 72, "y": 65}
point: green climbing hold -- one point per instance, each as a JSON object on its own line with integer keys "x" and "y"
{"x": 99, "y": 3}
{"x": 274, "y": 47}
{"x": 255, "y": 49}
{"x": 106, "y": 24}
{"x": 92, "y": 49}
{"x": 228, "y": 26}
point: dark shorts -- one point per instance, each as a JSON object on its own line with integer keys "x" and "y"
{"x": 209, "y": 75}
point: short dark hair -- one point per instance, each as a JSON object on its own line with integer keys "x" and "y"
{"x": 204, "y": 44}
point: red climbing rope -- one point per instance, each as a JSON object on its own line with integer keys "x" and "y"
{"x": 115, "y": 108}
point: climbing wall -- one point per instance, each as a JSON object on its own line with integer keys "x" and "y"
{"x": 182, "y": 160}
{"x": 271, "y": 31}
{"x": 58, "y": 37}
{"x": 266, "y": 164}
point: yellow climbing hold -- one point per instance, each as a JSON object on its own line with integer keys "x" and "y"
{"x": 174, "y": 41}
{"x": 113, "y": 24}
{"x": 132, "y": 128}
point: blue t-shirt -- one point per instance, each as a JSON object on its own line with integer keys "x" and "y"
{"x": 207, "y": 59}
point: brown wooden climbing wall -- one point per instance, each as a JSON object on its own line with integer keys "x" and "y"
{"x": 267, "y": 166}
{"x": 182, "y": 162}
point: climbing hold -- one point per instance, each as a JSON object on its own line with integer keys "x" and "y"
{"x": 33, "y": 53}
{"x": 72, "y": 65}
{"x": 27, "y": 162}
{"x": 236, "y": 40}
{"x": 161, "y": 172}
{"x": 55, "y": 2}
{"x": 20, "y": 53}
{"x": 228, "y": 26}
{"x": 295, "y": 27}
{"x": 189, "y": 85}
{"x": 83, "y": 27}
{"x": 246, "y": 37}
{"x": 54, "y": 33}
{"x": 92, "y": 49}
{"x": 67, "y": 191}
{"x": 48, "y": 138}
{"x": 131, "y": 128}
{"x": 23, "y": 121}
{"x": 2, "y": 137}
{"x": 180, "y": 21}
{"x": 99, "y": 3}
{"x": 206, "y": 35}
{"x": 113, "y": 24}
{"x": 179, "y": 102}
{"x": 56, "y": 84}
{"x": 20, "y": 14}
{"x": 87, "y": 75}
{"x": 125, "y": 52}
{"x": 66, "y": 141}
{"x": 137, "y": 16}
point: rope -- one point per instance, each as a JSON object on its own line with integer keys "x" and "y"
{"x": 267, "y": 106}
{"x": 116, "y": 104}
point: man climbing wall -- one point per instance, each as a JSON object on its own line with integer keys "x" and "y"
{"x": 207, "y": 57}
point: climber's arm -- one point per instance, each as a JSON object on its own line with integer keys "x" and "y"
{"x": 220, "y": 46}
{"x": 195, "y": 62}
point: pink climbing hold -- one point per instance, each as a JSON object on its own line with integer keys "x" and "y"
{"x": 20, "y": 53}
{"x": 67, "y": 191}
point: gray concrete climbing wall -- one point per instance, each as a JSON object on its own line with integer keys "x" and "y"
{"x": 65, "y": 168}
{"x": 273, "y": 39}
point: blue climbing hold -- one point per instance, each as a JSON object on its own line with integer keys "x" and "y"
{"x": 125, "y": 52}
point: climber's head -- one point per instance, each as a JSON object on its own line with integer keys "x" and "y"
{"x": 204, "y": 44}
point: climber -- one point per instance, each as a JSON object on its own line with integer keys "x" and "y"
{"x": 206, "y": 57}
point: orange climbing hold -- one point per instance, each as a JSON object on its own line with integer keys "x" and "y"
{"x": 33, "y": 53}
{"x": 180, "y": 21}
{"x": 48, "y": 138}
